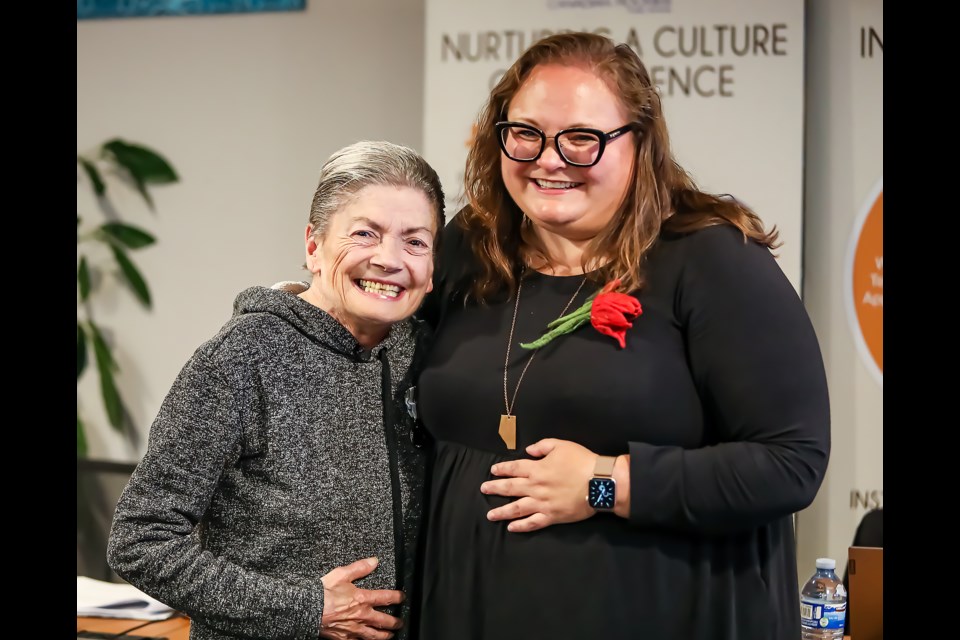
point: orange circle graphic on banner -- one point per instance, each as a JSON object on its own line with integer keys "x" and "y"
{"x": 865, "y": 282}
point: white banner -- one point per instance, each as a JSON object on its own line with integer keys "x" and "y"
{"x": 730, "y": 75}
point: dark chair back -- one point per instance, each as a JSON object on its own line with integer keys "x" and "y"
{"x": 869, "y": 534}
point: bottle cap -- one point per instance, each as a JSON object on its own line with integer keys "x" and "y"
{"x": 826, "y": 563}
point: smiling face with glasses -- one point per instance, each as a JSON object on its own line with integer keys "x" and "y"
{"x": 579, "y": 146}
{"x": 567, "y": 156}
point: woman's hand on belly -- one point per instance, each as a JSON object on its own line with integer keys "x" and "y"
{"x": 550, "y": 490}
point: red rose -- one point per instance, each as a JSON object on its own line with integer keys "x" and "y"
{"x": 609, "y": 312}
{"x": 612, "y": 312}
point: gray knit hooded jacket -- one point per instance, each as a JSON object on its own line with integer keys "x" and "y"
{"x": 282, "y": 451}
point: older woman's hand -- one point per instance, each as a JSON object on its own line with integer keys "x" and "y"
{"x": 551, "y": 490}
{"x": 348, "y": 611}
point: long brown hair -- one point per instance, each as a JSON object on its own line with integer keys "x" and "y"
{"x": 662, "y": 195}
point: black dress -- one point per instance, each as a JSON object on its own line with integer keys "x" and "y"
{"x": 720, "y": 399}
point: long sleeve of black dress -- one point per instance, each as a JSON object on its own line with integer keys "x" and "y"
{"x": 756, "y": 364}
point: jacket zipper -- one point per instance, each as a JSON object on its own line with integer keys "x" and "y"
{"x": 390, "y": 434}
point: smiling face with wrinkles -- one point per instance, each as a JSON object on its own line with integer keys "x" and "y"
{"x": 374, "y": 264}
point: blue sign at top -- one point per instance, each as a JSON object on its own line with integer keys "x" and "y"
{"x": 91, "y": 9}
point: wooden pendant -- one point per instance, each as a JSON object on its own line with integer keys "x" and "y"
{"x": 508, "y": 431}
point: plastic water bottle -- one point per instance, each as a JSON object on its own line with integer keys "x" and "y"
{"x": 823, "y": 603}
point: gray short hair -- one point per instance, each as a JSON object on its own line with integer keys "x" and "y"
{"x": 370, "y": 162}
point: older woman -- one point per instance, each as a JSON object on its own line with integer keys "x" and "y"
{"x": 279, "y": 494}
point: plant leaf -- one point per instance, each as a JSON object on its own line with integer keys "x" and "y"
{"x": 108, "y": 387}
{"x": 81, "y": 439}
{"x": 111, "y": 399}
{"x": 99, "y": 186}
{"x": 100, "y": 347}
{"x": 128, "y": 235}
{"x": 81, "y": 350}
{"x": 83, "y": 278}
{"x": 142, "y": 161}
{"x": 132, "y": 275}
{"x": 142, "y": 188}
{"x": 144, "y": 165}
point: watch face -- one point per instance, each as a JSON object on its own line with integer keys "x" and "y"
{"x": 602, "y": 493}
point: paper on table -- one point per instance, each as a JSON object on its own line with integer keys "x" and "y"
{"x": 114, "y": 600}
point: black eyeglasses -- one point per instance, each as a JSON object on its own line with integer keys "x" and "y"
{"x": 578, "y": 146}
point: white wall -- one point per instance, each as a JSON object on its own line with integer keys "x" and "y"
{"x": 844, "y": 159}
{"x": 246, "y": 107}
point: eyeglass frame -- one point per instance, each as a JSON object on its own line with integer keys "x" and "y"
{"x": 602, "y": 137}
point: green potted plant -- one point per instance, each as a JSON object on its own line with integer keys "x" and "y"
{"x": 143, "y": 168}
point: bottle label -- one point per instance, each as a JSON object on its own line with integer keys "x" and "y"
{"x": 816, "y": 614}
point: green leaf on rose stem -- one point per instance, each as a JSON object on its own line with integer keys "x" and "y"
{"x": 132, "y": 275}
{"x": 99, "y": 187}
{"x": 81, "y": 350}
{"x": 108, "y": 387}
{"x": 81, "y": 439}
{"x": 128, "y": 235}
{"x": 582, "y": 312}
{"x": 571, "y": 323}
{"x": 83, "y": 278}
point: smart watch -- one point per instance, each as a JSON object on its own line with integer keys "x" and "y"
{"x": 602, "y": 488}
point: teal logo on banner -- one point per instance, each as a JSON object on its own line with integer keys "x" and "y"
{"x": 92, "y": 9}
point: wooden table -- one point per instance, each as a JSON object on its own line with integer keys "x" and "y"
{"x": 174, "y": 628}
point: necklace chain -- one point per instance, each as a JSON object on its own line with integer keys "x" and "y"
{"x": 508, "y": 404}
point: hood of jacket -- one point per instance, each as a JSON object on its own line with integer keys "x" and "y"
{"x": 281, "y": 300}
